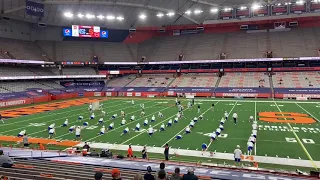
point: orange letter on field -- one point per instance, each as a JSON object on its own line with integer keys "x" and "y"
{"x": 286, "y": 117}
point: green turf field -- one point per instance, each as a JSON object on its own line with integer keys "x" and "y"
{"x": 286, "y": 138}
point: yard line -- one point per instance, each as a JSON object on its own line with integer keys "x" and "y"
{"x": 298, "y": 139}
{"x": 54, "y": 114}
{"x": 127, "y": 124}
{"x": 144, "y": 132}
{"x": 307, "y": 112}
{"x": 185, "y": 127}
{"x": 255, "y": 118}
{"x": 77, "y": 121}
{"x": 228, "y": 118}
{"x": 47, "y": 121}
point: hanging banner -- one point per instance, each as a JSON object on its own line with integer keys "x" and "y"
{"x": 279, "y": 9}
{"x": 34, "y": 9}
{"x": 242, "y": 12}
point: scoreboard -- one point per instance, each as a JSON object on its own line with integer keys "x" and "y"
{"x": 85, "y": 31}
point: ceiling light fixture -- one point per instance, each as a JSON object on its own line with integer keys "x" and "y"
{"x": 160, "y": 15}
{"x": 68, "y": 14}
{"x": 142, "y": 16}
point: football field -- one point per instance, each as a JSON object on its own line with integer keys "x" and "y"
{"x": 288, "y": 129}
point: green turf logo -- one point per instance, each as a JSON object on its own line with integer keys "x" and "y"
{"x": 286, "y": 117}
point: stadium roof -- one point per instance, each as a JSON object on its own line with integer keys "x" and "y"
{"x": 109, "y": 13}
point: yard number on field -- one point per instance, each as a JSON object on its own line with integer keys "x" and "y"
{"x": 306, "y": 141}
{"x": 92, "y": 127}
{"x": 37, "y": 124}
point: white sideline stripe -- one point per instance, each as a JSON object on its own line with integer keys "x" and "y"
{"x": 114, "y": 128}
{"x": 297, "y": 137}
{"x": 271, "y": 101}
{"x": 229, "y": 113}
{"x": 255, "y": 118}
{"x": 46, "y": 121}
{"x": 20, "y": 121}
{"x": 307, "y": 112}
{"x": 77, "y": 121}
{"x": 195, "y": 153}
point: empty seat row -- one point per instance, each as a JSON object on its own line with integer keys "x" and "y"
{"x": 195, "y": 80}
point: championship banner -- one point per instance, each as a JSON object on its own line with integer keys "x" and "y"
{"x": 226, "y": 13}
{"x": 242, "y": 12}
{"x": 314, "y": 7}
{"x": 298, "y": 8}
{"x": 280, "y": 9}
{"x": 260, "y": 11}
{"x": 34, "y": 9}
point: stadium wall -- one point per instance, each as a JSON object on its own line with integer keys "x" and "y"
{"x": 13, "y": 101}
{"x": 23, "y": 101}
{"x": 15, "y": 30}
{"x": 17, "y": 99}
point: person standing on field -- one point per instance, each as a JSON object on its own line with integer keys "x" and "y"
{"x": 237, "y": 155}
{"x": 166, "y": 152}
